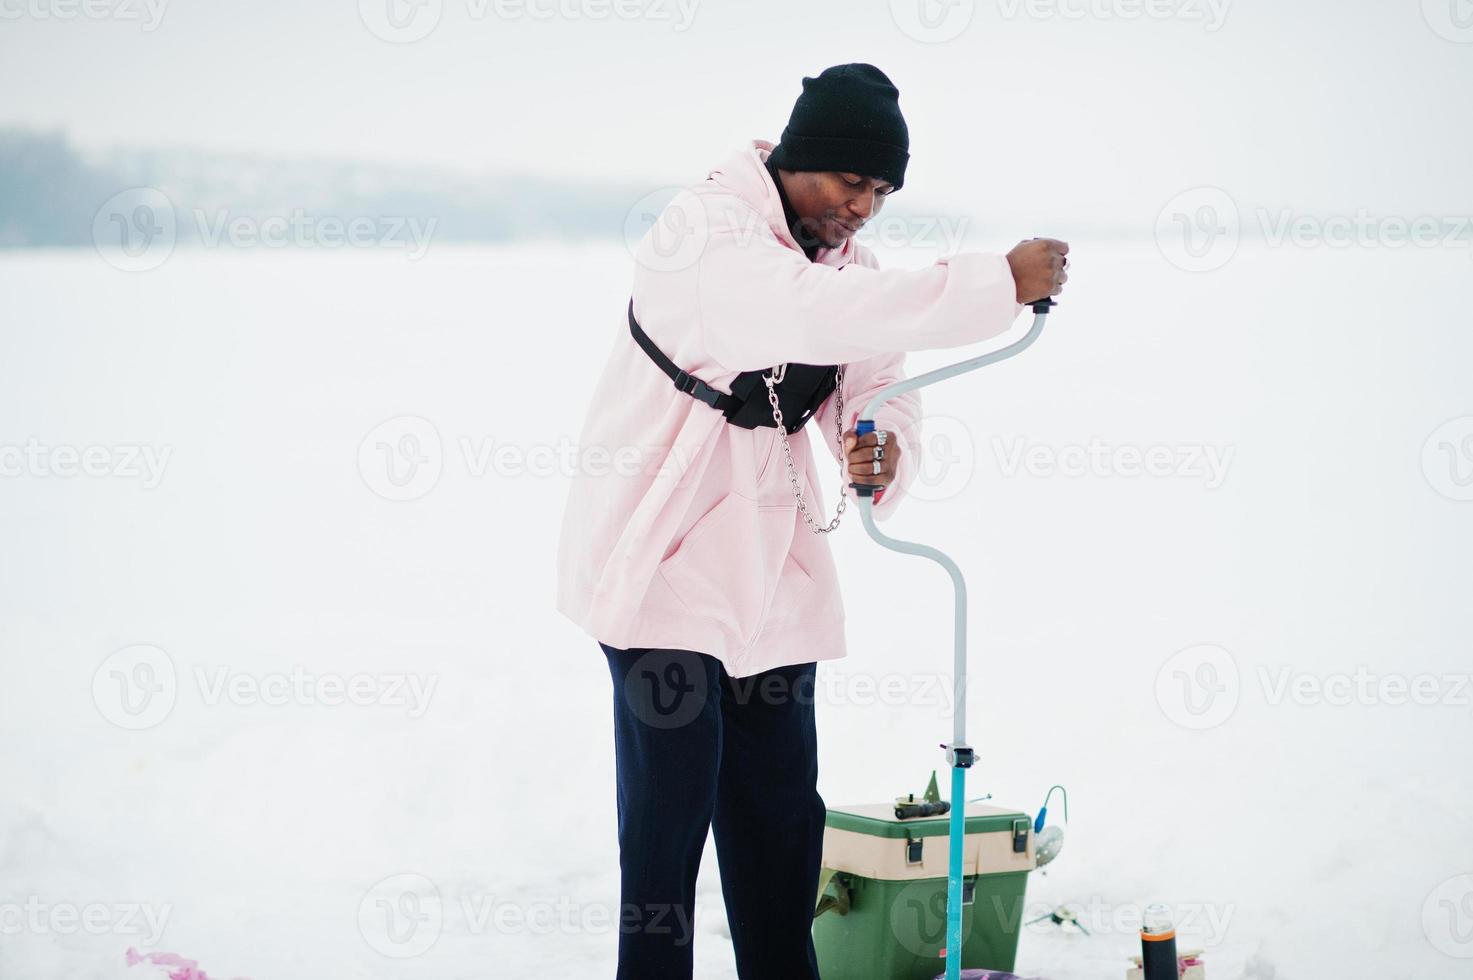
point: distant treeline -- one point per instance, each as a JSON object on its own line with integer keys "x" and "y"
{"x": 48, "y": 195}
{"x": 51, "y": 192}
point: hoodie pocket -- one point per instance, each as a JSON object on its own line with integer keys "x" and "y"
{"x": 731, "y": 563}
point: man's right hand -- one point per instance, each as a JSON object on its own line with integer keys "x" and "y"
{"x": 1038, "y": 268}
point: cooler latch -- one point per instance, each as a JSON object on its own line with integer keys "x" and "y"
{"x": 913, "y": 848}
{"x": 1020, "y": 835}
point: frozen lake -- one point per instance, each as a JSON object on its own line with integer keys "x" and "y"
{"x": 1216, "y": 527}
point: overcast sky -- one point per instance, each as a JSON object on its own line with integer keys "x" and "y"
{"x": 1095, "y": 108}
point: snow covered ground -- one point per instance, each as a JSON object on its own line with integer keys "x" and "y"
{"x": 272, "y": 701}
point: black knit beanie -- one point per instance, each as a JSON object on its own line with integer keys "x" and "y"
{"x": 847, "y": 119}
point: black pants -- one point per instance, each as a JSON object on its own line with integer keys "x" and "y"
{"x": 698, "y": 749}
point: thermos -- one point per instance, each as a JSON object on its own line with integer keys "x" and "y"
{"x": 1158, "y": 944}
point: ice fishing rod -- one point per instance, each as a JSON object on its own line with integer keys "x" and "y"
{"x": 959, "y": 755}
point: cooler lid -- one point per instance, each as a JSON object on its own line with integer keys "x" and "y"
{"x": 879, "y": 820}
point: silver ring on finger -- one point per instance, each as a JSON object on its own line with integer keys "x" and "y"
{"x": 880, "y": 435}
{"x": 879, "y": 452}
{"x": 878, "y": 468}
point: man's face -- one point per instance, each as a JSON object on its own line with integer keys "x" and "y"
{"x": 833, "y": 206}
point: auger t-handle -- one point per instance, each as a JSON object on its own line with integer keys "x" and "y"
{"x": 866, "y": 424}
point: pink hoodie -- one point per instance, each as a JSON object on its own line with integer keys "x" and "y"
{"x": 681, "y": 531}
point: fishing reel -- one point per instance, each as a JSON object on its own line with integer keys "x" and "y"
{"x": 1048, "y": 841}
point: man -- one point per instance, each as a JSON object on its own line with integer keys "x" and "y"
{"x": 704, "y": 573}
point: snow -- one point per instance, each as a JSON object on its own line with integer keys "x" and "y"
{"x": 265, "y": 824}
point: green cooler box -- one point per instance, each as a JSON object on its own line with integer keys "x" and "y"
{"x": 881, "y": 913}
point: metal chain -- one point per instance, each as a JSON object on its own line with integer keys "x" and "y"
{"x": 772, "y": 380}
